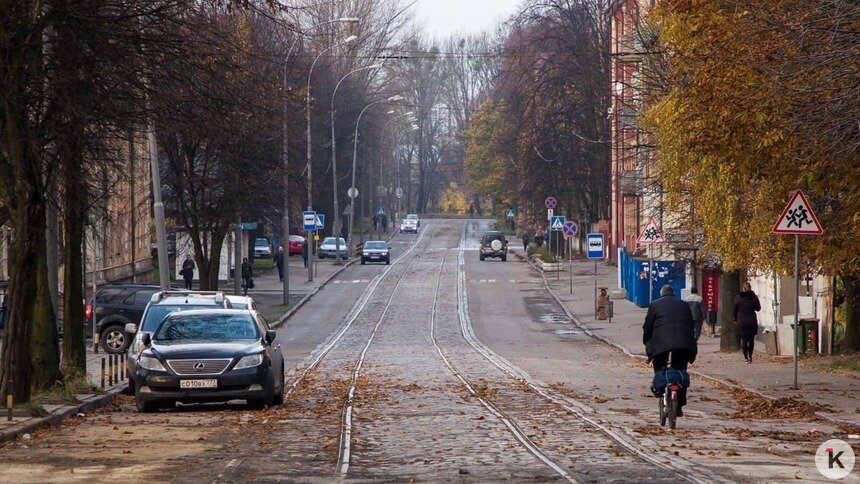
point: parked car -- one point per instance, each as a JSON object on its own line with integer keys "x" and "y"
{"x": 262, "y": 249}
{"x": 376, "y": 251}
{"x": 117, "y": 305}
{"x": 160, "y": 305}
{"x": 296, "y": 242}
{"x": 329, "y": 249}
{"x": 414, "y": 216}
{"x": 209, "y": 356}
{"x": 409, "y": 225}
{"x": 242, "y": 302}
{"x": 494, "y": 244}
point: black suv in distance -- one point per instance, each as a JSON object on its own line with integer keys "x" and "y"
{"x": 494, "y": 244}
{"x": 115, "y": 306}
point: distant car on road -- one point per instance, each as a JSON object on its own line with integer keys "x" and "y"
{"x": 376, "y": 251}
{"x": 414, "y": 216}
{"x": 242, "y": 302}
{"x": 262, "y": 249}
{"x": 296, "y": 242}
{"x": 328, "y": 248}
{"x": 209, "y": 356}
{"x": 409, "y": 225}
{"x": 494, "y": 244}
{"x": 115, "y": 306}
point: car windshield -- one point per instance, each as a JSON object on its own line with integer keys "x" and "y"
{"x": 238, "y": 305}
{"x": 330, "y": 241}
{"x": 262, "y": 243}
{"x": 208, "y": 327}
{"x": 412, "y": 216}
{"x": 375, "y": 245}
{"x": 156, "y": 313}
{"x": 409, "y": 222}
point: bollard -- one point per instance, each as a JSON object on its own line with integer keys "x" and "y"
{"x": 110, "y": 370}
{"x": 103, "y": 373}
{"x": 10, "y": 399}
{"x": 116, "y": 370}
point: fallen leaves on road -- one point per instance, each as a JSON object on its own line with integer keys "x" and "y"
{"x": 755, "y": 407}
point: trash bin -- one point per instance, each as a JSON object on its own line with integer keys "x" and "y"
{"x": 809, "y": 331}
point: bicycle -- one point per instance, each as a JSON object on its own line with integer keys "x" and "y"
{"x": 667, "y": 387}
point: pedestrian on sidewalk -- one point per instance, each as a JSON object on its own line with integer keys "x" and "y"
{"x": 668, "y": 331}
{"x": 745, "y": 319}
{"x": 279, "y": 261}
{"x": 305, "y": 251}
{"x": 539, "y": 237}
{"x": 247, "y": 276}
{"x": 525, "y": 241}
{"x": 187, "y": 271}
{"x": 694, "y": 300}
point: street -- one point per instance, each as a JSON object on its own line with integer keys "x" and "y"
{"x": 436, "y": 367}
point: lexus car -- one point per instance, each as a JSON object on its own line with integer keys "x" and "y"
{"x": 375, "y": 251}
{"x": 494, "y": 244}
{"x": 213, "y": 355}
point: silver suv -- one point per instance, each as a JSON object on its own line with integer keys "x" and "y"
{"x": 160, "y": 305}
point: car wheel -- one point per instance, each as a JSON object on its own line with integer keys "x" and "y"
{"x": 362, "y": 262}
{"x": 145, "y": 407}
{"x": 279, "y": 394}
{"x": 260, "y": 403}
{"x": 388, "y": 262}
{"x": 114, "y": 340}
{"x": 481, "y": 257}
{"x": 129, "y": 390}
{"x": 504, "y": 258}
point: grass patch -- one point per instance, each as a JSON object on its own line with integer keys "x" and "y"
{"x": 64, "y": 392}
{"x": 260, "y": 264}
{"x": 33, "y": 408}
{"x": 850, "y": 364}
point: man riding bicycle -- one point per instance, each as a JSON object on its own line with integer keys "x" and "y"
{"x": 668, "y": 331}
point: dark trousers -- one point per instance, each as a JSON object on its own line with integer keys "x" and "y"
{"x": 281, "y": 271}
{"x": 680, "y": 360}
{"x": 747, "y": 346}
{"x": 187, "y": 282}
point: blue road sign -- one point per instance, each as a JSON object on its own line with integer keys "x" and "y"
{"x": 570, "y": 228}
{"x": 550, "y": 202}
{"x": 556, "y": 222}
{"x": 380, "y": 211}
{"x": 595, "y": 246}
{"x": 510, "y": 213}
{"x": 320, "y": 221}
{"x": 309, "y": 219}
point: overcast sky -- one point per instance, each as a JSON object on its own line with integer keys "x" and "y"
{"x": 445, "y": 17}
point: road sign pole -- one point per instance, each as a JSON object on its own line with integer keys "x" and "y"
{"x": 796, "y": 301}
{"x": 650, "y": 273}
{"x": 570, "y": 263}
{"x": 310, "y": 255}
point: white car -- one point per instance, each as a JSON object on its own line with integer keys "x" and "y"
{"x": 262, "y": 249}
{"x": 408, "y": 225}
{"x": 241, "y": 302}
{"x": 414, "y": 216}
{"x": 328, "y": 248}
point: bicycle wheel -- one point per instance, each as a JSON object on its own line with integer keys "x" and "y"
{"x": 661, "y": 404}
{"x": 673, "y": 413}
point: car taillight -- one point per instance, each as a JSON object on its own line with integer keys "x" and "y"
{"x": 88, "y": 312}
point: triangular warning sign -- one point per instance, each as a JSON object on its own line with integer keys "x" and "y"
{"x": 651, "y": 234}
{"x": 557, "y": 224}
{"x": 798, "y": 218}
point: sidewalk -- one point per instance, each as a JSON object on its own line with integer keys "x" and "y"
{"x": 773, "y": 377}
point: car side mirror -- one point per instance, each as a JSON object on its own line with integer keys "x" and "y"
{"x": 146, "y": 339}
{"x": 270, "y": 336}
{"x": 130, "y": 328}
{"x": 389, "y": 247}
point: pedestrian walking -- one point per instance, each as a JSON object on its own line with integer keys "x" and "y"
{"x": 539, "y": 237}
{"x": 247, "y": 276}
{"x": 279, "y": 261}
{"x": 745, "y": 319}
{"x": 668, "y": 330}
{"x": 525, "y": 241}
{"x": 694, "y": 300}
{"x": 187, "y": 271}
{"x": 305, "y": 251}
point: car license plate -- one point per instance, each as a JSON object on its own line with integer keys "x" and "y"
{"x": 208, "y": 383}
{"x": 374, "y": 256}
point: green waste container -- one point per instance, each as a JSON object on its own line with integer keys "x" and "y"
{"x": 807, "y": 336}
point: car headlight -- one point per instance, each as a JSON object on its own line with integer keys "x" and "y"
{"x": 150, "y": 363}
{"x": 249, "y": 361}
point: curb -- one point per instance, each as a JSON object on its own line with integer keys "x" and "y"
{"x": 59, "y": 415}
{"x": 579, "y": 324}
{"x": 283, "y": 319}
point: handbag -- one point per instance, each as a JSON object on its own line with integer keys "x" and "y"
{"x": 250, "y": 283}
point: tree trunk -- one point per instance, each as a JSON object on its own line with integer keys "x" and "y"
{"x": 729, "y": 287}
{"x": 74, "y": 362}
{"x": 851, "y": 285}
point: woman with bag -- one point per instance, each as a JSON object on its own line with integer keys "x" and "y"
{"x": 247, "y": 276}
{"x": 746, "y": 305}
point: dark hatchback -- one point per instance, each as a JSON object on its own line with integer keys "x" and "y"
{"x": 212, "y": 355}
{"x": 115, "y": 306}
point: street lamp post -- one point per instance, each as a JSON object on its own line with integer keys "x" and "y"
{"x": 336, "y": 223}
{"x": 310, "y": 149}
{"x": 398, "y": 191}
{"x": 285, "y": 221}
{"x": 353, "y": 190}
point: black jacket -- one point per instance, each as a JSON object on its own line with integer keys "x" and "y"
{"x": 246, "y": 271}
{"x": 746, "y": 305}
{"x": 669, "y": 326}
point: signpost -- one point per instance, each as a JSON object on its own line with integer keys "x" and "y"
{"x": 569, "y": 229}
{"x": 651, "y": 234}
{"x": 319, "y": 222}
{"x": 509, "y": 213}
{"x": 352, "y": 192}
{"x": 550, "y": 202}
{"x": 309, "y": 221}
{"x": 556, "y": 222}
{"x": 595, "y": 252}
{"x": 797, "y": 219}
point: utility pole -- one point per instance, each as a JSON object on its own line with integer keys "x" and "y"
{"x": 158, "y": 209}
{"x": 237, "y": 256}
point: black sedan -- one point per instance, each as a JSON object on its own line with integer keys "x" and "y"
{"x": 376, "y": 251}
{"x": 211, "y": 355}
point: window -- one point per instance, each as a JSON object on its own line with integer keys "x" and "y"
{"x": 218, "y": 327}
{"x": 111, "y": 295}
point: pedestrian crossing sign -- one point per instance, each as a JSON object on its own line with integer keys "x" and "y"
{"x": 798, "y": 218}
{"x": 556, "y": 222}
{"x": 510, "y": 213}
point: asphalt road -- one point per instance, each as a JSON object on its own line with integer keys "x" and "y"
{"x": 438, "y": 367}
